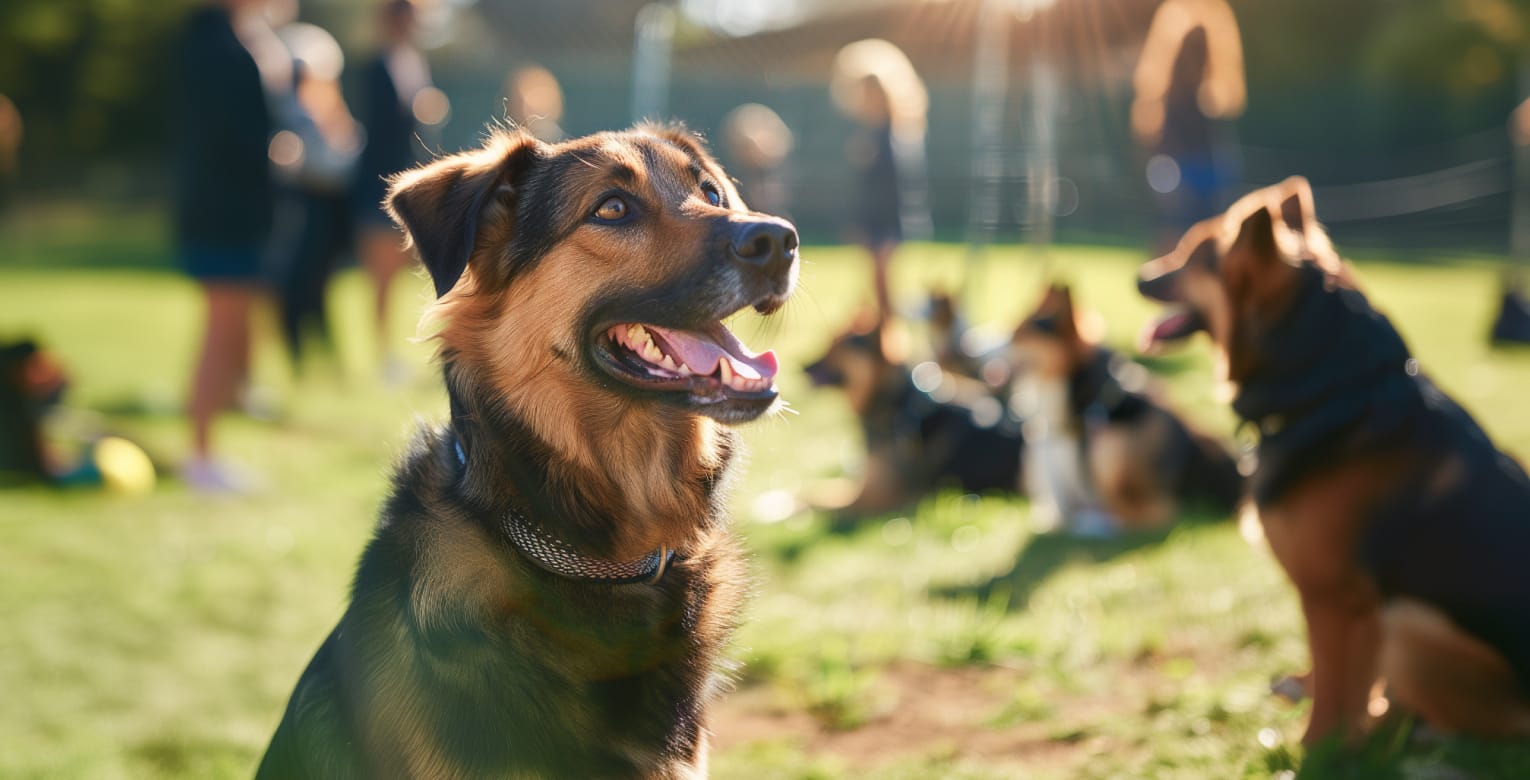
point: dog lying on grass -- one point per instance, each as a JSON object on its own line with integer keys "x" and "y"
{"x": 917, "y": 438}
{"x": 1105, "y": 454}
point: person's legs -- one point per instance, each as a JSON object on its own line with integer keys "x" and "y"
{"x": 285, "y": 266}
{"x": 305, "y": 284}
{"x": 881, "y": 259}
{"x": 334, "y": 240}
{"x": 289, "y": 294}
{"x": 383, "y": 255}
{"x": 224, "y": 359}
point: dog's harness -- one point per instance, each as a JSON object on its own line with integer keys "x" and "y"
{"x": 1333, "y": 368}
{"x": 557, "y": 556}
{"x": 1102, "y": 391}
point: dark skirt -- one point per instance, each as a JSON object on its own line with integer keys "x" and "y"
{"x": 223, "y": 264}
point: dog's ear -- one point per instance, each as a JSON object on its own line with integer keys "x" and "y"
{"x": 439, "y": 204}
{"x": 867, "y": 318}
{"x": 1254, "y": 267}
{"x": 1256, "y": 237}
{"x": 888, "y": 340}
{"x": 1067, "y": 317}
{"x": 1296, "y": 209}
{"x": 1050, "y": 298}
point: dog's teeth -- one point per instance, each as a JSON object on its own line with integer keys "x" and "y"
{"x": 668, "y": 363}
{"x": 684, "y": 370}
{"x": 727, "y": 371}
{"x": 651, "y": 353}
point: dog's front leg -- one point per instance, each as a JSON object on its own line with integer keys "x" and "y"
{"x": 1343, "y": 633}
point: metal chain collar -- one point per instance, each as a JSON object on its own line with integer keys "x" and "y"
{"x": 561, "y": 558}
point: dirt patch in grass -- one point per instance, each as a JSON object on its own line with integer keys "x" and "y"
{"x": 922, "y": 710}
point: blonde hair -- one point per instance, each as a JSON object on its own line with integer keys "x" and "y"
{"x": 1221, "y": 94}
{"x": 757, "y": 135}
{"x": 889, "y": 68}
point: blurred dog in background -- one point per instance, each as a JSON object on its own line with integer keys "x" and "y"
{"x": 923, "y": 428}
{"x": 31, "y": 383}
{"x": 1103, "y": 454}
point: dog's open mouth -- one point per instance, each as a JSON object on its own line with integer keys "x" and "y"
{"x": 1176, "y": 324}
{"x": 708, "y": 365}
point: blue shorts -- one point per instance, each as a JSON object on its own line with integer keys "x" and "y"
{"x": 223, "y": 263}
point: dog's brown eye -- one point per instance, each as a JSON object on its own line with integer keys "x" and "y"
{"x": 713, "y": 196}
{"x": 612, "y": 209}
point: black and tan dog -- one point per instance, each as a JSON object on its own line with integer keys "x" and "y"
{"x": 1404, "y": 529}
{"x": 923, "y": 430}
{"x": 552, "y": 579}
{"x": 1105, "y": 454}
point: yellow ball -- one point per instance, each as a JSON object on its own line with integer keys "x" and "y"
{"x": 125, "y": 468}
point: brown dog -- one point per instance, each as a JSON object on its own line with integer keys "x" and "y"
{"x": 1405, "y": 531}
{"x": 924, "y": 429}
{"x": 1105, "y": 453}
{"x": 552, "y": 579}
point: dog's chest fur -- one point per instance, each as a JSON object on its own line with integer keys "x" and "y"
{"x": 458, "y": 657}
{"x": 1054, "y": 470}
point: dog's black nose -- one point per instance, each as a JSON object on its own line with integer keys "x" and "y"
{"x": 769, "y": 243}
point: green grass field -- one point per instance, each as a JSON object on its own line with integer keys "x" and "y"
{"x": 160, "y": 636}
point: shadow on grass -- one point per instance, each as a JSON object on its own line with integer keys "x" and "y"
{"x": 1044, "y": 556}
{"x": 1402, "y": 749}
{"x": 1162, "y": 366}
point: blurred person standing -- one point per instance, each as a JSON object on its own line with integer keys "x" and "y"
{"x": 223, "y": 211}
{"x": 759, "y": 143}
{"x": 533, "y": 100}
{"x": 398, "y": 88}
{"x": 874, "y": 84}
{"x": 315, "y": 153}
{"x": 1512, "y": 323}
{"x": 10, "y": 148}
{"x": 1188, "y": 82}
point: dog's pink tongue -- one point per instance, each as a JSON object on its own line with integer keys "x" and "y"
{"x": 703, "y": 351}
{"x": 1167, "y": 328}
{"x": 1172, "y": 325}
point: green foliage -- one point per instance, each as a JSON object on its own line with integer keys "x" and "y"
{"x": 91, "y": 77}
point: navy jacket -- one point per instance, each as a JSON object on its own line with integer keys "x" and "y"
{"x": 390, "y": 135}
{"x": 223, "y": 177}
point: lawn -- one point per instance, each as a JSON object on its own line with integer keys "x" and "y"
{"x": 159, "y": 636}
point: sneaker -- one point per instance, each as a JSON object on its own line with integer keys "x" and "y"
{"x": 396, "y": 373}
{"x": 214, "y": 477}
{"x": 260, "y": 403}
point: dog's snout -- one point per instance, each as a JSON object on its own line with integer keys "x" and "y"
{"x": 769, "y": 243}
{"x": 1160, "y": 286}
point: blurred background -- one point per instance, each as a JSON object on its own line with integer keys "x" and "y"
{"x": 160, "y": 595}
{"x": 1398, "y": 110}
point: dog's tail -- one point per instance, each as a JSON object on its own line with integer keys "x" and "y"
{"x": 1211, "y": 475}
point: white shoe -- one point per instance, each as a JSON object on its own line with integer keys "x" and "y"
{"x": 214, "y": 477}
{"x": 396, "y": 373}
{"x": 1093, "y": 524}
